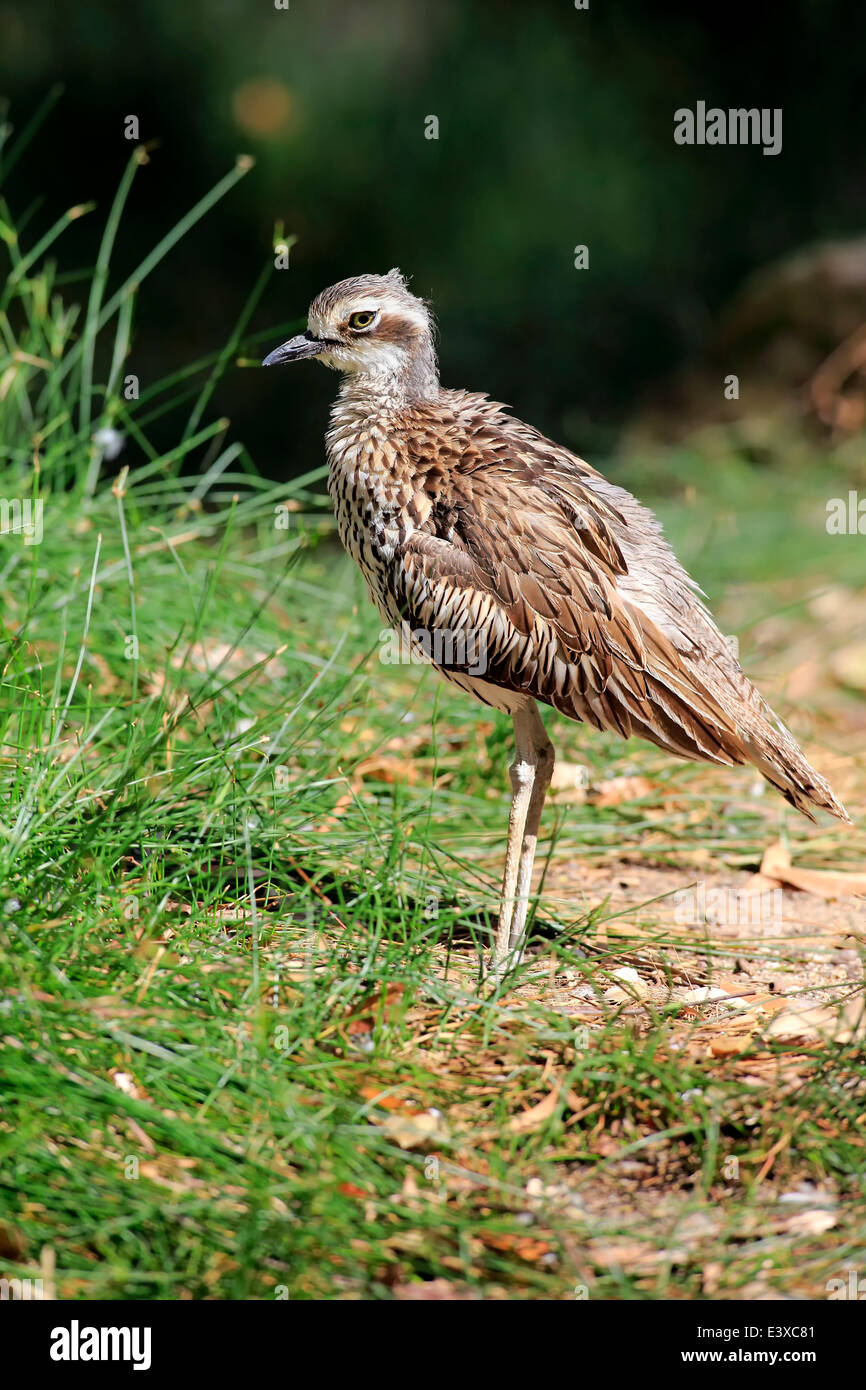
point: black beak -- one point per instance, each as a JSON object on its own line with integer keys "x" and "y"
{"x": 305, "y": 345}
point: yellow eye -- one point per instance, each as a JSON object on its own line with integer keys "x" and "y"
{"x": 362, "y": 319}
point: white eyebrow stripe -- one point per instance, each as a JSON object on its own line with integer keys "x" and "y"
{"x": 323, "y": 325}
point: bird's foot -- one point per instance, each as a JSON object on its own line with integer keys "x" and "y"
{"x": 503, "y": 963}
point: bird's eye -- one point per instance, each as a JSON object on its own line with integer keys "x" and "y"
{"x": 362, "y": 319}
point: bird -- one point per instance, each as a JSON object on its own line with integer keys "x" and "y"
{"x": 533, "y": 577}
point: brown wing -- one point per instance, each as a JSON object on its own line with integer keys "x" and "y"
{"x": 530, "y": 562}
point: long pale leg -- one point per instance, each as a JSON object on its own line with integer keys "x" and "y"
{"x": 522, "y": 781}
{"x": 544, "y": 759}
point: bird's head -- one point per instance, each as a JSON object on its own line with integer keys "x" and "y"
{"x": 373, "y": 327}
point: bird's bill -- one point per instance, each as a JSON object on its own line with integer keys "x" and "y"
{"x": 305, "y": 345}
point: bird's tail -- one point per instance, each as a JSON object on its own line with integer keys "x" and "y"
{"x": 773, "y": 751}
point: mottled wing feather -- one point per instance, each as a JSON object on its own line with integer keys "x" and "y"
{"x": 464, "y": 518}
{"x": 533, "y": 566}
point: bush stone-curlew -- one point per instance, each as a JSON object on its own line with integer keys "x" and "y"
{"x": 549, "y": 582}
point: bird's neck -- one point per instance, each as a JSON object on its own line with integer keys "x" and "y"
{"x": 412, "y": 381}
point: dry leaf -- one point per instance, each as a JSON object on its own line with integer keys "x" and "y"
{"x": 634, "y": 1255}
{"x": 349, "y": 1189}
{"x": 702, "y": 995}
{"x": 570, "y": 777}
{"x": 525, "y": 1247}
{"x": 533, "y": 1119}
{"x": 433, "y": 1291}
{"x": 849, "y": 665}
{"x": 384, "y": 1101}
{"x": 620, "y": 789}
{"x": 811, "y": 1223}
{"x": 342, "y": 804}
{"x": 729, "y": 1046}
{"x": 373, "y": 1009}
{"x": 826, "y": 883}
{"x": 13, "y": 1243}
{"x": 382, "y": 768}
{"x": 818, "y": 1021}
{"x": 633, "y": 987}
{"x": 415, "y": 1131}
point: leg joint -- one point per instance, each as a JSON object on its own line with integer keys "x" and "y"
{"x": 522, "y": 774}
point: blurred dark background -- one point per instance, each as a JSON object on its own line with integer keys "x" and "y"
{"x": 555, "y": 129}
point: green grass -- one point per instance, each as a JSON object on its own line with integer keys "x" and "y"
{"x": 247, "y": 870}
